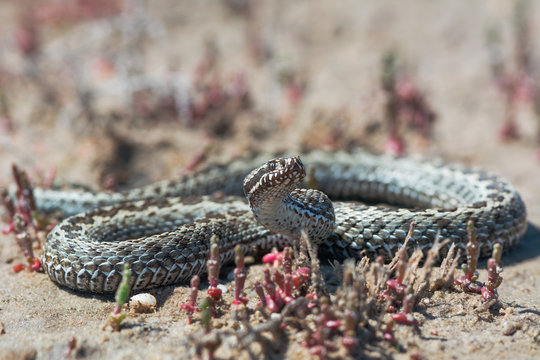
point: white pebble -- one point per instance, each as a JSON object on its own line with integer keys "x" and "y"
{"x": 142, "y": 303}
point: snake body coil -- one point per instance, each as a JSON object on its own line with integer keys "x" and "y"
{"x": 163, "y": 230}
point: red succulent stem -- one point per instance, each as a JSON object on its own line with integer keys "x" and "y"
{"x": 495, "y": 267}
{"x": 260, "y": 292}
{"x": 405, "y": 316}
{"x": 349, "y": 340}
{"x": 213, "y": 269}
{"x": 275, "y": 258}
{"x": 191, "y": 307}
{"x": 300, "y": 277}
{"x": 287, "y": 260}
{"x": 239, "y": 276}
{"x": 468, "y": 281}
{"x": 273, "y": 300}
{"x": 278, "y": 278}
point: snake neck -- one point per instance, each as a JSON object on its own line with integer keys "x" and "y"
{"x": 309, "y": 210}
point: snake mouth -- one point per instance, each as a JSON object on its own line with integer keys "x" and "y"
{"x": 288, "y": 172}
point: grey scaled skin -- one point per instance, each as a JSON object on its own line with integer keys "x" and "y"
{"x": 163, "y": 230}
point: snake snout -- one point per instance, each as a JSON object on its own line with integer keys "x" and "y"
{"x": 296, "y": 167}
{"x": 287, "y": 172}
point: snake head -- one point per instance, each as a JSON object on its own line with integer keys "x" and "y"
{"x": 273, "y": 179}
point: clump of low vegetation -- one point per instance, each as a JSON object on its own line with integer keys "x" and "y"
{"x": 516, "y": 77}
{"x": 24, "y": 220}
{"x": 370, "y": 302}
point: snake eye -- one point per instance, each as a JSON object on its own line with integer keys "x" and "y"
{"x": 271, "y": 165}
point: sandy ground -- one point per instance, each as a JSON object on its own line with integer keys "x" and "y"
{"x": 337, "y": 49}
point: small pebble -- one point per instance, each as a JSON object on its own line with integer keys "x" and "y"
{"x": 506, "y": 311}
{"x": 509, "y": 328}
{"x": 217, "y": 324}
{"x": 142, "y": 303}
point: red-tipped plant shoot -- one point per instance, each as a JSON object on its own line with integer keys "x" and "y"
{"x": 191, "y": 307}
{"x": 213, "y": 269}
{"x": 239, "y": 277}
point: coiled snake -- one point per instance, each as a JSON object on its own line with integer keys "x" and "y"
{"x": 163, "y": 230}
